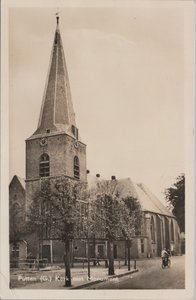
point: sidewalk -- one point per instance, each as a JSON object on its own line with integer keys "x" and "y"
{"x": 55, "y": 279}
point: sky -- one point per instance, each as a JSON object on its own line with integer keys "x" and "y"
{"x": 126, "y": 72}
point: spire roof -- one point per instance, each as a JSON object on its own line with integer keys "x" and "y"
{"x": 57, "y": 114}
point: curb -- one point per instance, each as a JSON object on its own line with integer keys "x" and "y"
{"x": 102, "y": 280}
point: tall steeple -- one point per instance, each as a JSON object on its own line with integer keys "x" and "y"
{"x": 57, "y": 114}
{"x": 55, "y": 149}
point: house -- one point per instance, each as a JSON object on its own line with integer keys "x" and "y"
{"x": 18, "y": 245}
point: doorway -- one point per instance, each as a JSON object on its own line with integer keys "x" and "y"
{"x": 100, "y": 249}
{"x": 46, "y": 252}
{"x": 115, "y": 252}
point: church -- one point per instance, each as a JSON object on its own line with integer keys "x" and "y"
{"x": 55, "y": 149}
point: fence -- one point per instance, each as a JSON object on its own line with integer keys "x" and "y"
{"x": 29, "y": 263}
{"x": 95, "y": 261}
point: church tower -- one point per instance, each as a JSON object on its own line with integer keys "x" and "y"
{"x": 55, "y": 148}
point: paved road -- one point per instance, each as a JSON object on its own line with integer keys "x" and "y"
{"x": 154, "y": 277}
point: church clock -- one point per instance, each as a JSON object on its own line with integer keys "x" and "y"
{"x": 43, "y": 142}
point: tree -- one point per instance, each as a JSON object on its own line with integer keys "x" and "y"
{"x": 175, "y": 197}
{"x": 112, "y": 216}
{"x": 136, "y": 216}
{"x": 135, "y": 213}
{"x": 55, "y": 214}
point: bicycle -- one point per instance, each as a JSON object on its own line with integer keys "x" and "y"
{"x": 166, "y": 262}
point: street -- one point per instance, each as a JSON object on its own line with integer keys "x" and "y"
{"x": 150, "y": 275}
{"x": 154, "y": 277}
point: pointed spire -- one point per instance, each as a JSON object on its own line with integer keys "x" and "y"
{"x": 57, "y": 112}
{"x": 57, "y": 19}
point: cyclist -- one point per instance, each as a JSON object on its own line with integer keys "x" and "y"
{"x": 165, "y": 256}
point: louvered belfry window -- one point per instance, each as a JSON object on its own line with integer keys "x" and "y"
{"x": 44, "y": 165}
{"x": 76, "y": 167}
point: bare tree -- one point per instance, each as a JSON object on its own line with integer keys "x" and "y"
{"x": 56, "y": 212}
{"x": 111, "y": 215}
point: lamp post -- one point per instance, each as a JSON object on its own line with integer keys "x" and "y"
{"x": 88, "y": 239}
{"x": 111, "y": 240}
{"x": 128, "y": 255}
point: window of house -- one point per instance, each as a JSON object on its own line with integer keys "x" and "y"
{"x": 172, "y": 230}
{"x": 15, "y": 251}
{"x": 142, "y": 245}
{"x": 76, "y": 167}
{"x": 44, "y": 165}
{"x": 152, "y": 227}
{"x": 15, "y": 248}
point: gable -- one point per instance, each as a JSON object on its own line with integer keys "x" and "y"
{"x": 17, "y": 182}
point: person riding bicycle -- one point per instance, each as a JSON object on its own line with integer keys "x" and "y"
{"x": 164, "y": 254}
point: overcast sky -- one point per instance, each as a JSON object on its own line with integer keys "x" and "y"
{"x": 126, "y": 71}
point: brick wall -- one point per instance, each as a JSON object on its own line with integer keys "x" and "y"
{"x": 61, "y": 151}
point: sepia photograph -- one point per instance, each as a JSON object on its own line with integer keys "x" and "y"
{"x": 98, "y": 144}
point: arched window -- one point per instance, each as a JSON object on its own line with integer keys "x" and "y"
{"x": 76, "y": 167}
{"x": 152, "y": 228}
{"x": 172, "y": 231}
{"x": 44, "y": 165}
